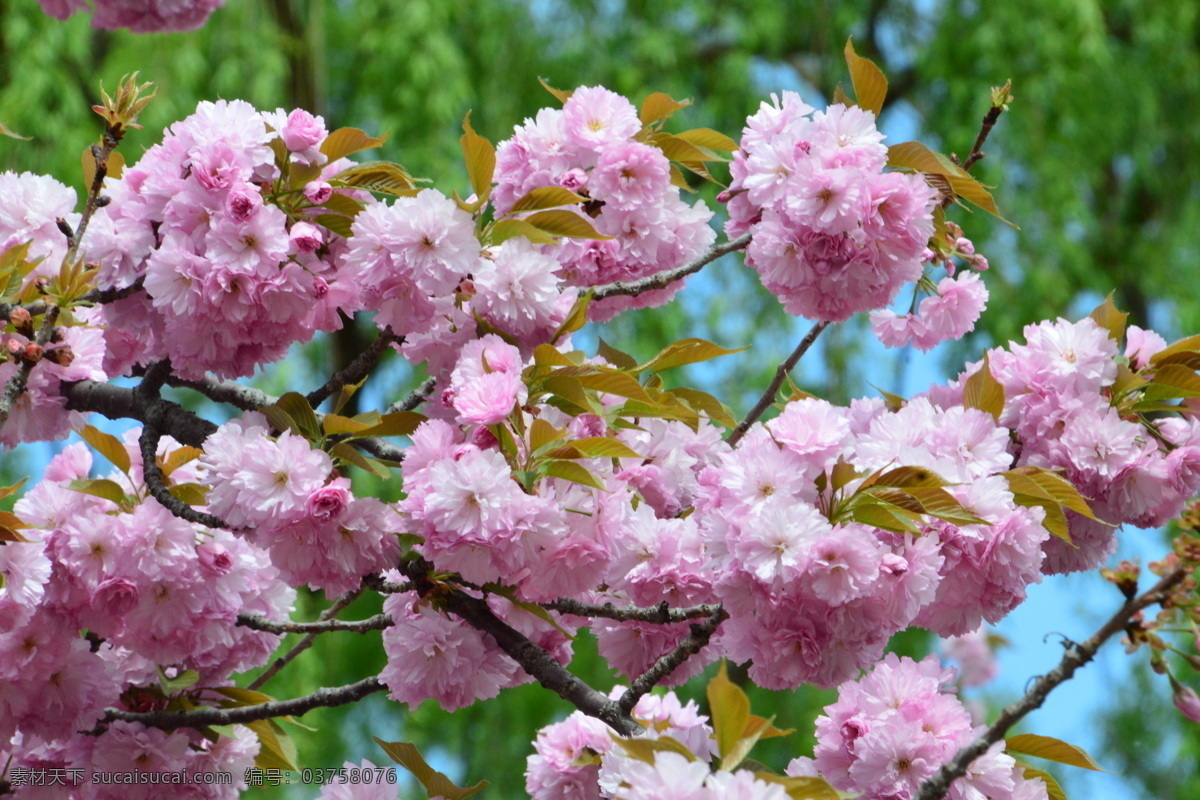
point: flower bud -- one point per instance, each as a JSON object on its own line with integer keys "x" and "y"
{"x": 302, "y": 131}
{"x": 32, "y": 353}
{"x": 243, "y": 202}
{"x": 22, "y": 320}
{"x": 306, "y": 237}
{"x": 63, "y": 356}
{"x": 318, "y": 192}
{"x": 328, "y": 502}
{"x": 1187, "y": 702}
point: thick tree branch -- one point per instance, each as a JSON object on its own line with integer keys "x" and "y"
{"x": 772, "y": 391}
{"x": 156, "y": 483}
{"x": 356, "y": 370}
{"x": 1076, "y": 656}
{"x": 117, "y": 402}
{"x": 691, "y": 644}
{"x": 202, "y": 717}
{"x": 661, "y": 614}
{"x": 661, "y": 280}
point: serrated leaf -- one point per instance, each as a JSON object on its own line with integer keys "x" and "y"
{"x": 8, "y": 491}
{"x": 576, "y": 318}
{"x": 908, "y": 477}
{"x": 560, "y": 222}
{"x": 1051, "y": 749}
{"x": 342, "y": 226}
{"x": 618, "y": 383}
{"x": 801, "y": 787}
{"x": 194, "y": 494}
{"x": 1110, "y": 319}
{"x": 398, "y": 423}
{"x": 685, "y": 351}
{"x": 702, "y": 402}
{"x": 1053, "y": 790}
{"x": 177, "y": 458}
{"x": 384, "y": 177}
{"x": 1045, "y": 485}
{"x": 545, "y": 197}
{"x": 707, "y": 137}
{"x": 542, "y": 433}
{"x": 1191, "y": 344}
{"x": 108, "y": 446}
{"x": 914, "y": 155}
{"x": 1172, "y": 381}
{"x": 983, "y": 392}
{"x": 297, "y": 407}
{"x": 595, "y": 447}
{"x": 435, "y": 783}
{"x": 562, "y": 96}
{"x": 184, "y": 680}
{"x": 101, "y": 487}
{"x": 278, "y": 750}
{"x": 681, "y": 150}
{"x": 570, "y": 471}
{"x": 480, "y": 157}
{"x": 658, "y": 106}
{"x": 870, "y": 84}
{"x": 502, "y": 230}
{"x": 647, "y": 750}
{"x": 729, "y": 709}
{"x": 616, "y": 357}
{"x": 352, "y": 456}
{"x": 347, "y": 141}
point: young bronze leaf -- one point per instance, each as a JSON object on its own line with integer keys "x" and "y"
{"x": 1172, "y": 381}
{"x": 384, "y": 177}
{"x": 336, "y": 223}
{"x": 984, "y": 392}
{"x": 108, "y": 446}
{"x": 561, "y": 95}
{"x": 1046, "y": 485}
{"x": 347, "y": 141}
{"x": 648, "y": 749}
{"x": 616, "y": 357}
{"x": 8, "y": 491}
{"x": 576, "y": 317}
{"x": 729, "y": 708}
{"x": 352, "y": 456}
{"x": 278, "y": 750}
{"x": 542, "y": 433}
{"x": 570, "y": 471}
{"x": 560, "y": 222}
{"x": 480, "y": 156}
{"x": 870, "y": 84}
{"x": 545, "y": 197}
{"x": 545, "y": 355}
{"x": 10, "y": 133}
{"x": 301, "y": 412}
{"x": 916, "y": 156}
{"x": 343, "y": 204}
{"x": 599, "y": 447}
{"x": 707, "y": 137}
{"x": 335, "y": 424}
{"x": 939, "y": 503}
{"x": 1108, "y": 317}
{"x": 505, "y": 229}
{"x": 686, "y": 351}
{"x": 702, "y": 402}
{"x": 398, "y": 423}
{"x": 618, "y": 383}
{"x": 1190, "y": 344}
{"x": 681, "y": 150}
{"x": 1051, "y": 749}
{"x": 801, "y": 788}
{"x": 435, "y": 783}
{"x": 1053, "y": 790}
{"x": 909, "y": 477}
{"x": 659, "y": 106}
{"x": 884, "y": 515}
{"x": 194, "y": 494}
{"x": 11, "y": 521}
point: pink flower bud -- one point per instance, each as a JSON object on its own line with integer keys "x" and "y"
{"x": 14, "y": 348}
{"x": 116, "y": 596}
{"x": 328, "y": 502}
{"x": 243, "y": 202}
{"x": 32, "y": 353}
{"x": 63, "y": 356}
{"x": 21, "y": 320}
{"x": 306, "y": 237}
{"x": 1187, "y": 702}
{"x": 214, "y": 558}
{"x": 302, "y": 131}
{"x": 318, "y": 192}
{"x": 574, "y": 180}
{"x": 320, "y": 287}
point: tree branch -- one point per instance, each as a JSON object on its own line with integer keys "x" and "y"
{"x": 203, "y": 717}
{"x": 661, "y": 280}
{"x": 691, "y": 644}
{"x": 414, "y": 398}
{"x": 772, "y": 391}
{"x": 156, "y": 483}
{"x": 1076, "y": 656}
{"x": 15, "y": 386}
{"x": 118, "y": 402}
{"x": 356, "y": 370}
{"x": 661, "y": 614}
{"x": 375, "y": 623}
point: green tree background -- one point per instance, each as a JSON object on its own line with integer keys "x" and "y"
{"x": 1098, "y": 163}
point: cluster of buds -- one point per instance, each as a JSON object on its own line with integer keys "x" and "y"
{"x": 121, "y": 112}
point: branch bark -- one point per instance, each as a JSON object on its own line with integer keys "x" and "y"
{"x": 691, "y": 644}
{"x": 356, "y": 370}
{"x": 661, "y": 280}
{"x": 772, "y": 391}
{"x": 1076, "y": 656}
{"x": 661, "y": 614}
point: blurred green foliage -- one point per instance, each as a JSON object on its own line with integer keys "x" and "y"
{"x": 1098, "y": 163}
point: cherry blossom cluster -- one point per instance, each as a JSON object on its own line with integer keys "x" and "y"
{"x": 592, "y": 147}
{"x": 139, "y": 16}
{"x": 234, "y": 271}
{"x": 156, "y": 596}
{"x": 833, "y": 234}
{"x": 892, "y": 730}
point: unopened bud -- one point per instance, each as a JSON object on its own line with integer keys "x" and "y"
{"x": 318, "y": 192}
{"x": 22, "y": 321}
{"x": 32, "y": 353}
{"x": 14, "y": 348}
{"x": 63, "y": 356}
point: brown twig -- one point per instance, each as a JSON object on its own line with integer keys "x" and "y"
{"x": 694, "y": 642}
{"x": 414, "y": 398}
{"x": 15, "y": 386}
{"x": 661, "y": 280}
{"x": 375, "y": 623}
{"x": 661, "y": 614}
{"x": 772, "y": 391}
{"x": 356, "y": 370}
{"x": 1076, "y": 656}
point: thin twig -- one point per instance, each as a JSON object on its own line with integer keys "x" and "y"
{"x": 1076, "y": 656}
{"x": 203, "y": 717}
{"x": 772, "y": 391}
{"x": 414, "y": 398}
{"x": 15, "y": 386}
{"x": 698, "y": 636}
{"x": 661, "y": 280}
{"x": 156, "y": 483}
{"x": 661, "y": 614}
{"x": 375, "y": 623}
{"x": 356, "y": 370}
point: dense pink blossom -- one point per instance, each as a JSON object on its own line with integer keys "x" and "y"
{"x": 140, "y": 16}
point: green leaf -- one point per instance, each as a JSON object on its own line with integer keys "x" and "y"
{"x": 1172, "y": 381}
{"x": 278, "y": 751}
{"x": 619, "y": 383}
{"x": 880, "y": 514}
{"x": 939, "y": 503}
{"x": 342, "y": 226}
{"x": 1108, "y": 317}
{"x": 570, "y": 471}
{"x": 547, "y": 355}
{"x": 729, "y": 709}
{"x": 1051, "y": 749}
{"x": 177, "y": 458}
{"x": 194, "y": 494}
{"x": 1045, "y": 485}
{"x": 384, "y": 177}
{"x": 435, "y": 783}
{"x": 480, "y": 157}
{"x": 101, "y": 487}
{"x": 545, "y": 197}
{"x": 907, "y": 478}
{"x": 594, "y": 447}
{"x": 801, "y": 788}
{"x": 542, "y": 433}
{"x": 347, "y": 141}
{"x": 702, "y": 402}
{"x": 280, "y": 420}
{"x": 647, "y": 750}
{"x": 914, "y": 155}
{"x": 870, "y": 84}
{"x": 1053, "y": 790}
{"x": 505, "y": 229}
{"x": 296, "y": 406}
{"x": 398, "y": 423}
{"x": 576, "y": 318}
{"x": 352, "y": 456}
{"x": 681, "y": 150}
{"x": 659, "y": 106}
{"x": 184, "y": 680}
{"x": 108, "y": 446}
{"x": 685, "y": 351}
{"x": 984, "y": 392}
{"x": 560, "y": 222}
{"x": 707, "y": 137}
